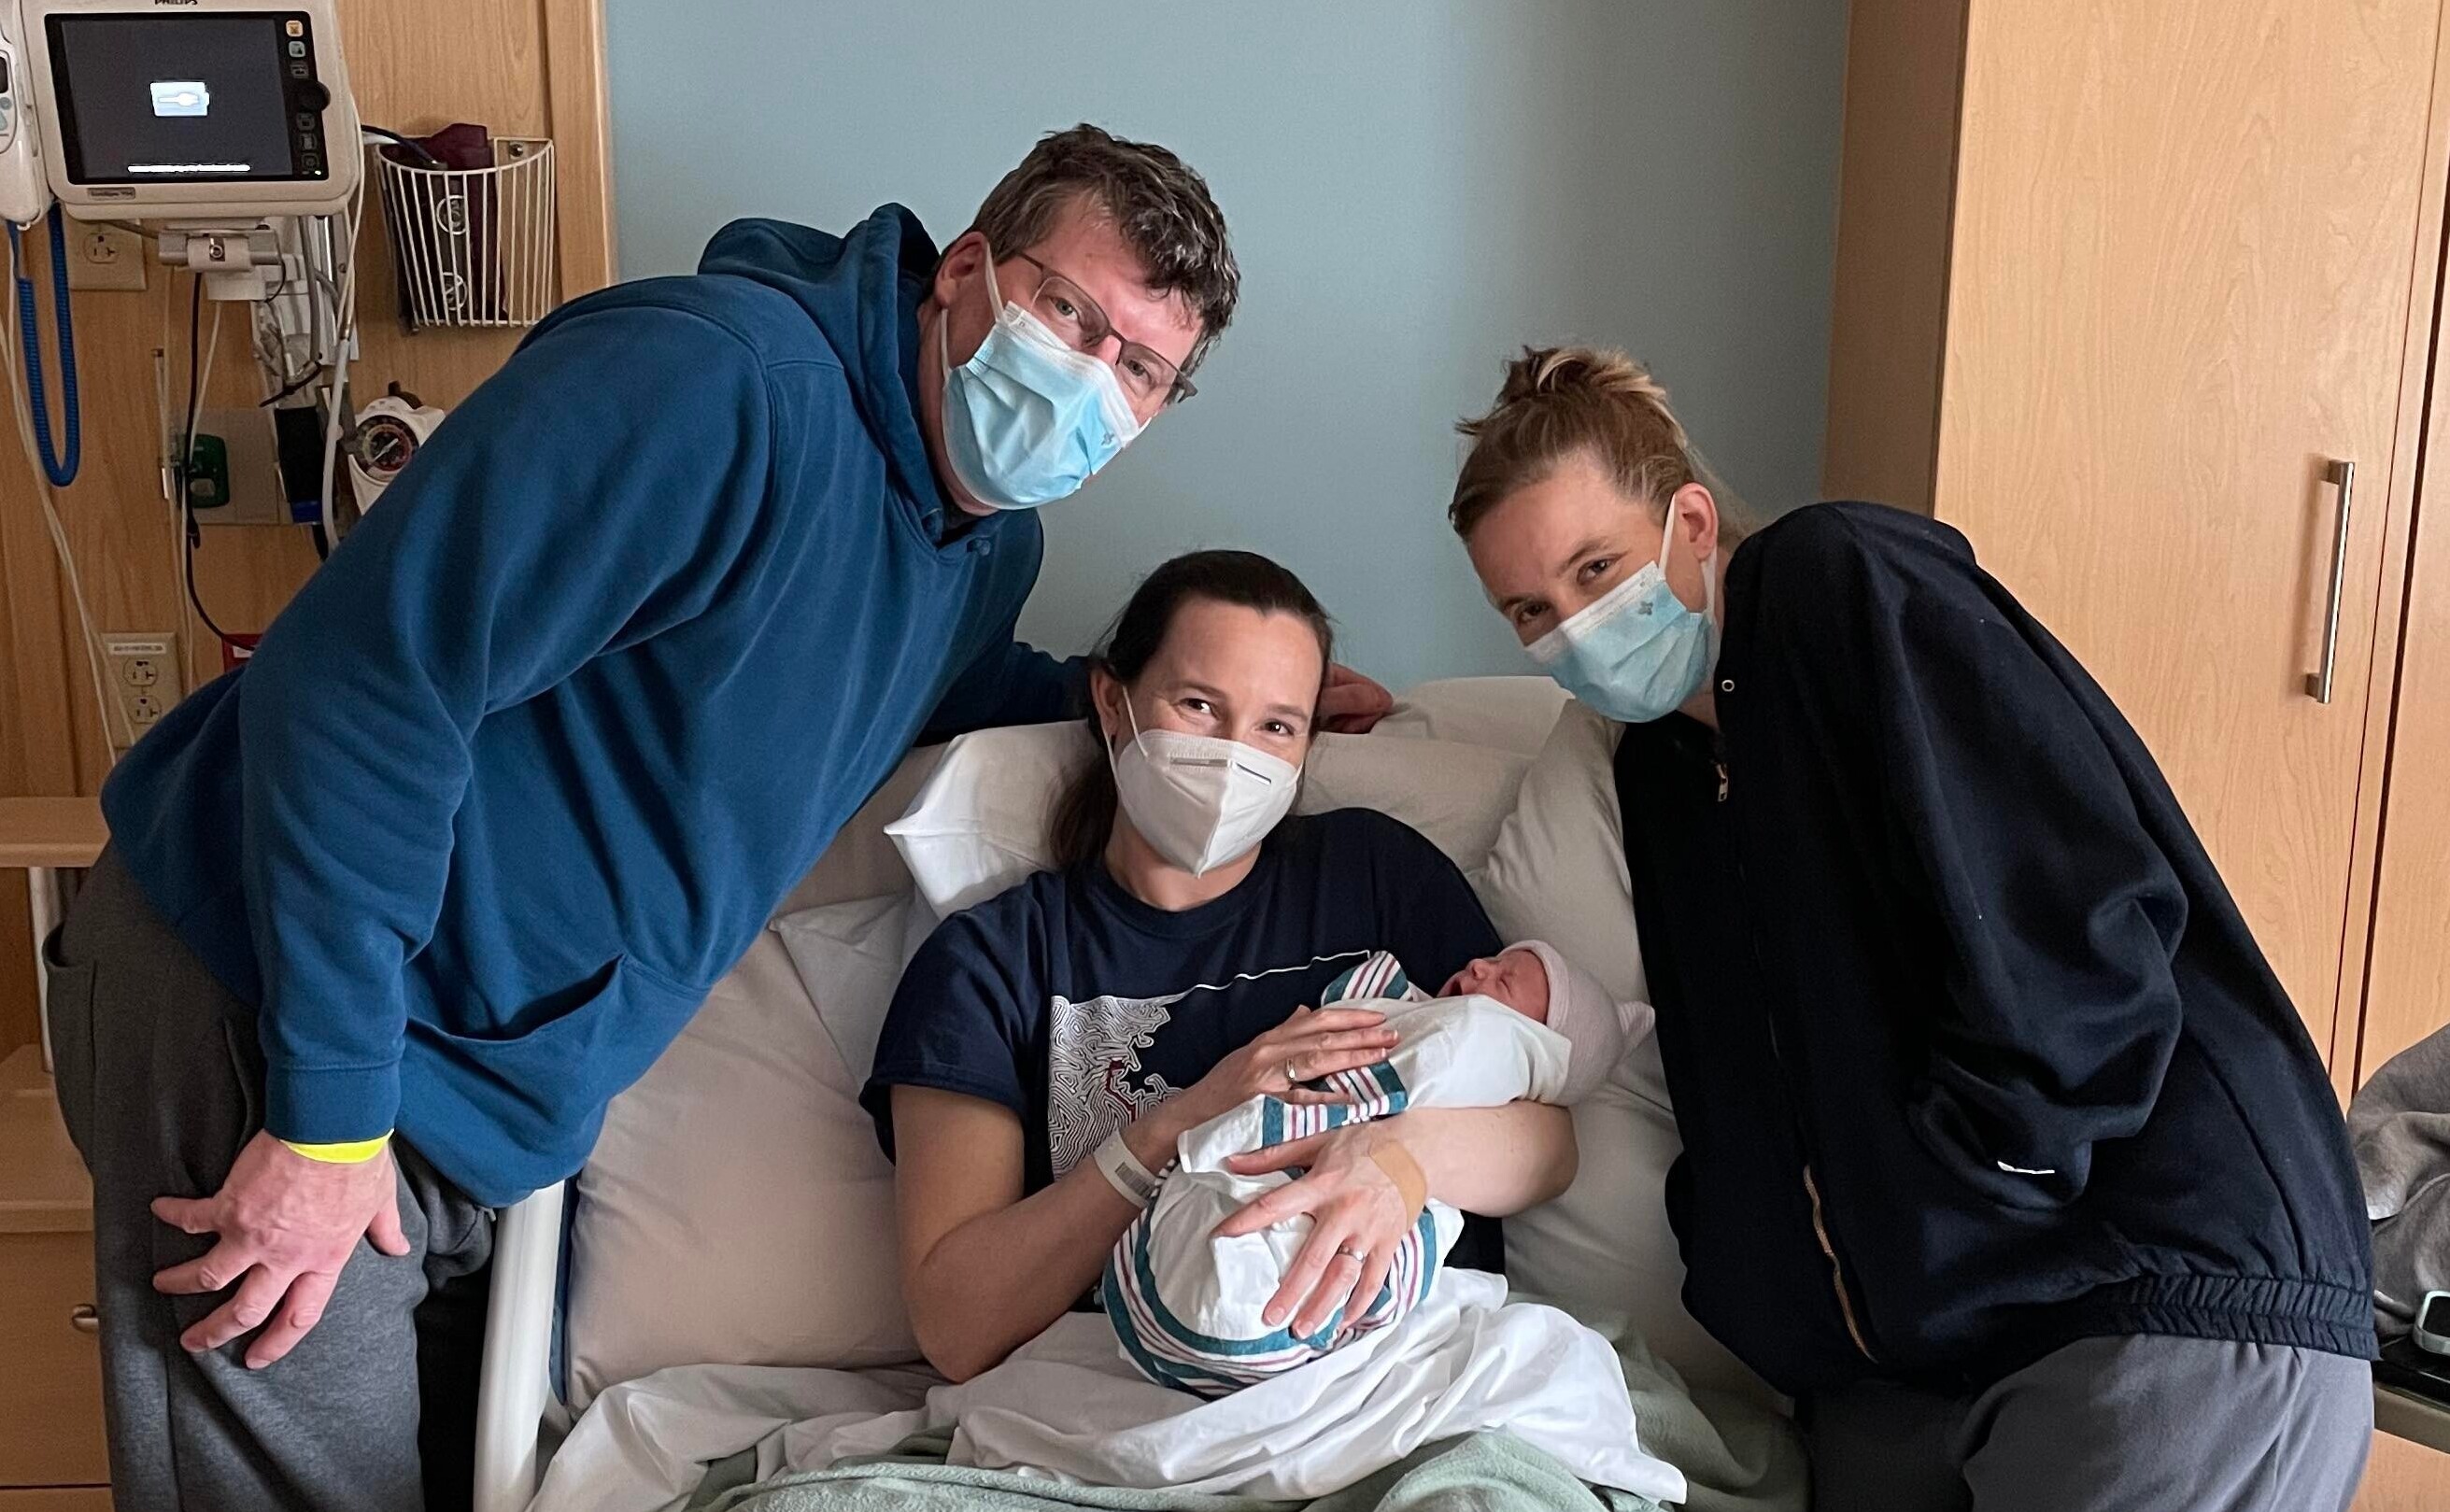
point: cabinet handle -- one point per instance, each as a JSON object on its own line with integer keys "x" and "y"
{"x": 2341, "y": 474}
{"x": 83, "y": 1319}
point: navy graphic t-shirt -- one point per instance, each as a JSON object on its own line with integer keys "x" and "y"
{"x": 1081, "y": 1007}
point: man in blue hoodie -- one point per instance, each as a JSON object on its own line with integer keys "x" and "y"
{"x": 392, "y": 914}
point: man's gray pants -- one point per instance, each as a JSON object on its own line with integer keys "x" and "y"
{"x": 2116, "y": 1425}
{"x": 161, "y": 1080}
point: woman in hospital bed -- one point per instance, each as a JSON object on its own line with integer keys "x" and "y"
{"x": 1047, "y": 1050}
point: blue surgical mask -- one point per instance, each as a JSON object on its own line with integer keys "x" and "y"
{"x": 1027, "y": 418}
{"x": 1636, "y": 653}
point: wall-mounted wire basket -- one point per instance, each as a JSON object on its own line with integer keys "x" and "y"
{"x": 473, "y": 246}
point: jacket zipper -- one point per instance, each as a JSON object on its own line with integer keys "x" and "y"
{"x": 1837, "y": 1271}
{"x": 1811, "y": 1187}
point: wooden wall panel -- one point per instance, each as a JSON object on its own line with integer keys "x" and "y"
{"x": 1896, "y": 187}
{"x": 35, "y": 751}
{"x": 582, "y": 110}
{"x": 415, "y": 69}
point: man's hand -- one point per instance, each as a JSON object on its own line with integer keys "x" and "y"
{"x": 1351, "y": 704}
{"x": 286, "y": 1225}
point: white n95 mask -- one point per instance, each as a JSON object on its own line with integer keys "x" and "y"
{"x": 1027, "y": 418}
{"x": 1199, "y": 801}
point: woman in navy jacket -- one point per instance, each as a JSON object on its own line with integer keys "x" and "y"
{"x": 2005, "y": 1151}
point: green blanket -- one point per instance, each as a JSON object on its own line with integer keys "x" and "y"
{"x": 1487, "y": 1472}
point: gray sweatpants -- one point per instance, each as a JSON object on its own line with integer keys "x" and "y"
{"x": 161, "y": 1080}
{"x": 2112, "y": 1424}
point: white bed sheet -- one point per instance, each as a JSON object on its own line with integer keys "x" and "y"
{"x": 1068, "y": 1405}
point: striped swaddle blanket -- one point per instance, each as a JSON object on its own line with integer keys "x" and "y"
{"x": 1186, "y": 1305}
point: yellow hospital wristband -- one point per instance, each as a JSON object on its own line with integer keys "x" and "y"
{"x": 356, "y": 1152}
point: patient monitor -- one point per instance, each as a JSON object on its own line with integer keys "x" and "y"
{"x": 218, "y": 112}
{"x": 228, "y": 127}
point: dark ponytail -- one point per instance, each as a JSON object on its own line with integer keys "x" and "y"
{"x": 1084, "y": 816}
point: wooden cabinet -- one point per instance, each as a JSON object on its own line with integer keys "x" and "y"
{"x": 50, "y": 1395}
{"x": 2180, "y": 290}
{"x": 51, "y": 1390}
{"x": 2125, "y": 288}
{"x": 2121, "y": 286}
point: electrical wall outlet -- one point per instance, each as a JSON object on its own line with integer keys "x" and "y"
{"x": 105, "y": 257}
{"x": 144, "y": 680}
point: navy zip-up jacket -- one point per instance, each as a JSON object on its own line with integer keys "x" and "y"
{"x": 1972, "y": 1055}
{"x": 519, "y": 773}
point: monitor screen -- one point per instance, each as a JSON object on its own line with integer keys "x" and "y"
{"x": 218, "y": 97}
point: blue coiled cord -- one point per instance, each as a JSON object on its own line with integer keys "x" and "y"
{"x": 60, "y": 470}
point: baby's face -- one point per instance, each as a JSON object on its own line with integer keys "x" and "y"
{"x": 1514, "y": 977}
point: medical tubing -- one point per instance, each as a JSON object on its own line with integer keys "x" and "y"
{"x": 12, "y": 371}
{"x": 199, "y": 378}
{"x": 61, "y": 470}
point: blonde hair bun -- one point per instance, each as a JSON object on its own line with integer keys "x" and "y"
{"x": 1561, "y": 400}
{"x": 1585, "y": 370}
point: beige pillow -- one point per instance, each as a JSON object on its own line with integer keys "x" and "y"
{"x": 1501, "y": 713}
{"x": 736, "y": 1210}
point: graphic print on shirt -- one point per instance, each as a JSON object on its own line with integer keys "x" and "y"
{"x": 1094, "y": 1084}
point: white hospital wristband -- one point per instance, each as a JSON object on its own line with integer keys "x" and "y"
{"x": 1124, "y": 1171}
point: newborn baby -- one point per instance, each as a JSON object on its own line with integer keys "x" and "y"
{"x": 1186, "y": 1305}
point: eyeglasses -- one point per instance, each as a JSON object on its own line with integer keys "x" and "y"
{"x": 1149, "y": 379}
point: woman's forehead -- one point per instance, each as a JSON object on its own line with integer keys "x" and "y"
{"x": 1230, "y": 644}
{"x": 1546, "y": 526}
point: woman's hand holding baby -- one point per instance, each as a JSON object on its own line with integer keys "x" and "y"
{"x": 1314, "y": 1042}
{"x": 1362, "y": 1191}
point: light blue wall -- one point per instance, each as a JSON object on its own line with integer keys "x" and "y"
{"x": 1414, "y": 188}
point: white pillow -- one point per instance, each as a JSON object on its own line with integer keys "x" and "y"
{"x": 742, "y": 1161}
{"x": 979, "y": 823}
{"x": 1502, "y": 713}
{"x": 849, "y": 957}
{"x": 1604, "y": 1251}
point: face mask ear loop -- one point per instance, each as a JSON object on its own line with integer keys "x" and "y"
{"x": 1104, "y": 740}
{"x": 945, "y": 321}
{"x": 995, "y": 290}
{"x": 1709, "y": 578}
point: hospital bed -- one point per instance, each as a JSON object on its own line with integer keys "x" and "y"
{"x": 737, "y": 1211}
